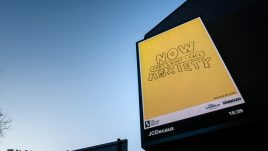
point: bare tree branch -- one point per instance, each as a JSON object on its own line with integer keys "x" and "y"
{"x": 4, "y": 123}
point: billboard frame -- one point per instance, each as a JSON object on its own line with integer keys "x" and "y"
{"x": 195, "y": 131}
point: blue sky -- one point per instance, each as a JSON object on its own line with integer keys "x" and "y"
{"x": 68, "y": 70}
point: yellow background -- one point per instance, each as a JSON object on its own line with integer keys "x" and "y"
{"x": 185, "y": 89}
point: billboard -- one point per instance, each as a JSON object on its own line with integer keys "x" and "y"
{"x": 183, "y": 82}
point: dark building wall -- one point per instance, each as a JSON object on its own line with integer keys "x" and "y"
{"x": 237, "y": 28}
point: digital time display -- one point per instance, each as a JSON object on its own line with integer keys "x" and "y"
{"x": 235, "y": 112}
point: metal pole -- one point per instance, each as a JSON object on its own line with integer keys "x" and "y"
{"x": 119, "y": 144}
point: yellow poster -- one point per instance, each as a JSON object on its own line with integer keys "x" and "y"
{"x": 181, "y": 68}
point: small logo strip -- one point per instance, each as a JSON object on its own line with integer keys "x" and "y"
{"x": 151, "y": 123}
{"x": 232, "y": 100}
{"x": 162, "y": 131}
{"x": 212, "y": 106}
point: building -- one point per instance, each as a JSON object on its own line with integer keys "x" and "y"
{"x": 119, "y": 145}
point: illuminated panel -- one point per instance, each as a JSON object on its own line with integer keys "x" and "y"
{"x": 183, "y": 75}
